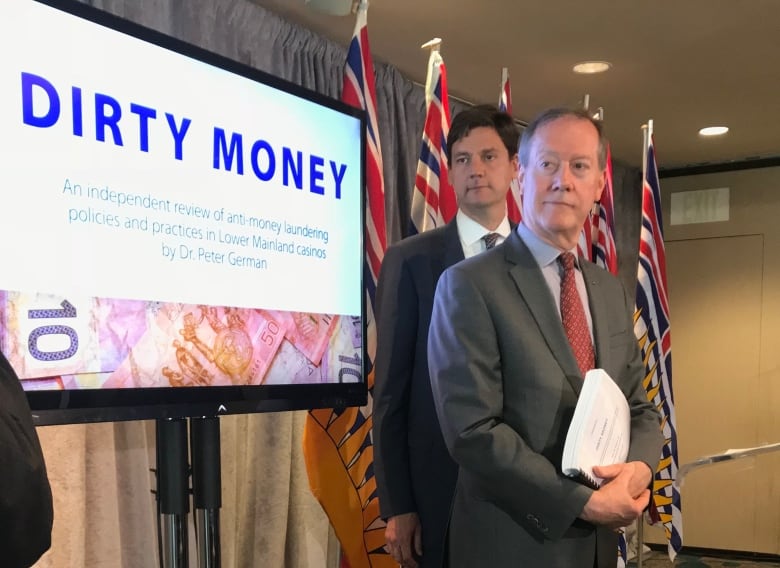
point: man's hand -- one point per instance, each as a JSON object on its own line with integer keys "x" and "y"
{"x": 404, "y": 539}
{"x": 638, "y": 473}
{"x": 621, "y": 498}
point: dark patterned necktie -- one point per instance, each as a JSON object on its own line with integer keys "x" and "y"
{"x": 490, "y": 240}
{"x": 575, "y": 324}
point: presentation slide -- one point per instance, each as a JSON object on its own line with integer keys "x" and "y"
{"x": 167, "y": 222}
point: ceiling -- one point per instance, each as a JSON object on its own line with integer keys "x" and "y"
{"x": 684, "y": 64}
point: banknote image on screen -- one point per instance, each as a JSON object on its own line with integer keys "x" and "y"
{"x": 182, "y": 235}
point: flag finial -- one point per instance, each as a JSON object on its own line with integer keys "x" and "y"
{"x": 433, "y": 44}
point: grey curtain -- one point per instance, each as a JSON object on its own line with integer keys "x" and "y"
{"x": 627, "y": 182}
{"x": 252, "y": 35}
{"x": 105, "y": 514}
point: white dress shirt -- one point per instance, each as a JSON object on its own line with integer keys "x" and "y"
{"x": 471, "y": 233}
{"x": 546, "y": 257}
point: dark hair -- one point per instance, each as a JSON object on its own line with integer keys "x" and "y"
{"x": 488, "y": 116}
{"x": 552, "y": 114}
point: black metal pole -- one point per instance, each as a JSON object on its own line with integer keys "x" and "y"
{"x": 173, "y": 501}
{"x": 206, "y": 487}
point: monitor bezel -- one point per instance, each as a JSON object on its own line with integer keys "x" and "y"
{"x": 73, "y": 406}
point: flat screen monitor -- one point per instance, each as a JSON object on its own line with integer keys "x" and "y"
{"x": 182, "y": 235}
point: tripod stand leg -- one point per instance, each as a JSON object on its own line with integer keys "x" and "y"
{"x": 173, "y": 502}
{"x": 206, "y": 488}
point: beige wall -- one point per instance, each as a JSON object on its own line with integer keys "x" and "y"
{"x": 724, "y": 289}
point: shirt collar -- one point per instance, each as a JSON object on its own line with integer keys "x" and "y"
{"x": 470, "y": 231}
{"x": 543, "y": 252}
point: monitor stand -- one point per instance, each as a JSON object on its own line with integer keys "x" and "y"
{"x": 173, "y": 490}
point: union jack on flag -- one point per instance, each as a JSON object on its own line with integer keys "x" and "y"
{"x": 603, "y": 221}
{"x": 433, "y": 199}
{"x": 651, "y": 327}
{"x": 337, "y": 443}
{"x": 505, "y": 104}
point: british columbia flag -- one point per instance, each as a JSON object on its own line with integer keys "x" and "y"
{"x": 433, "y": 199}
{"x": 338, "y": 450}
{"x": 651, "y": 327}
{"x": 601, "y": 223}
{"x": 505, "y": 104}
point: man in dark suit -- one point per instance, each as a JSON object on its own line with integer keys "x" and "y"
{"x": 506, "y": 372}
{"x": 25, "y": 495}
{"x": 415, "y": 474}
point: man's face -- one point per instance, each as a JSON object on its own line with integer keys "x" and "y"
{"x": 481, "y": 171}
{"x": 562, "y": 180}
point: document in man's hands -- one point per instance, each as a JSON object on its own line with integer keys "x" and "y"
{"x": 600, "y": 430}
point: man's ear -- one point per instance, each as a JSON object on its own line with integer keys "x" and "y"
{"x": 520, "y": 178}
{"x": 602, "y": 183}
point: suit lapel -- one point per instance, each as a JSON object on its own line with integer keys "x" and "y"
{"x": 447, "y": 251}
{"x": 453, "y": 250}
{"x": 530, "y": 282}
{"x": 598, "y": 310}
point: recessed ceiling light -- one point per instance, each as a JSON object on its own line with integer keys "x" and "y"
{"x": 589, "y": 67}
{"x": 714, "y": 131}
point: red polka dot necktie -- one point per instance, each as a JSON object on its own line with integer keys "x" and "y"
{"x": 490, "y": 240}
{"x": 575, "y": 324}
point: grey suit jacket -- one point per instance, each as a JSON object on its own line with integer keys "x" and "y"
{"x": 505, "y": 383}
{"x": 414, "y": 471}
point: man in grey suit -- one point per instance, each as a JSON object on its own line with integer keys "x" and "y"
{"x": 505, "y": 378}
{"x": 415, "y": 474}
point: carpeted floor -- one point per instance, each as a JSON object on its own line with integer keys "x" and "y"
{"x": 658, "y": 559}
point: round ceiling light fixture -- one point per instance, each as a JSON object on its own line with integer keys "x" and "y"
{"x": 714, "y": 131}
{"x": 590, "y": 67}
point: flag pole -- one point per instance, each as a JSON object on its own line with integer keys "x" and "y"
{"x": 598, "y": 115}
{"x": 647, "y": 130}
{"x": 652, "y": 329}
